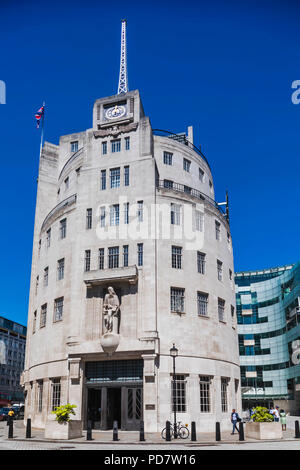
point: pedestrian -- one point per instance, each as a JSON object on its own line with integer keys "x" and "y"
{"x": 276, "y": 414}
{"x": 283, "y": 420}
{"x": 235, "y": 419}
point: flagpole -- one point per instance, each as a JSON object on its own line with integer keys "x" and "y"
{"x": 42, "y": 133}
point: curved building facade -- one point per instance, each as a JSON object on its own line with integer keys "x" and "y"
{"x": 131, "y": 255}
{"x": 268, "y": 312}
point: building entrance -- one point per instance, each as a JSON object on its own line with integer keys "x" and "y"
{"x": 115, "y": 393}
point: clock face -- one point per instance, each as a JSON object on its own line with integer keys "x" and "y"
{"x": 115, "y": 112}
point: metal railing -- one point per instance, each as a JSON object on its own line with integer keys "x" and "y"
{"x": 71, "y": 159}
{"x": 182, "y": 139}
{"x": 172, "y": 186}
{"x": 65, "y": 203}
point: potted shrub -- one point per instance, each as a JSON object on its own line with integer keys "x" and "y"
{"x": 63, "y": 427}
{"x": 263, "y": 425}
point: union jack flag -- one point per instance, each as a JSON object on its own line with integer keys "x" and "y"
{"x": 38, "y": 116}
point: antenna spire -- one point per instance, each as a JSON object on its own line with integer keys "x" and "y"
{"x": 123, "y": 80}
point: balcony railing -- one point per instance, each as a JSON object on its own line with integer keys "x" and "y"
{"x": 182, "y": 139}
{"x": 62, "y": 205}
{"x": 177, "y": 187}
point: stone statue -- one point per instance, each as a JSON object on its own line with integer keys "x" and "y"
{"x": 111, "y": 306}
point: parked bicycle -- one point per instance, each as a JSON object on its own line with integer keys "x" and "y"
{"x": 182, "y": 431}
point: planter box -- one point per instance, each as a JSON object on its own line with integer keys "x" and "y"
{"x": 264, "y": 430}
{"x": 69, "y": 430}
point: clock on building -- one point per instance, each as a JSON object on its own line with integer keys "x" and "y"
{"x": 114, "y": 112}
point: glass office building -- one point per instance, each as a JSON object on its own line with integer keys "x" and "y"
{"x": 12, "y": 356}
{"x": 268, "y": 314}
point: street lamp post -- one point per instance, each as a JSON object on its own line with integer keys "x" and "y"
{"x": 174, "y": 354}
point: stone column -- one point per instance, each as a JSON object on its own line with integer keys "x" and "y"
{"x": 150, "y": 401}
{"x": 74, "y": 385}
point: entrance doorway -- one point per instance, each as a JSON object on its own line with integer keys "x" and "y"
{"x": 113, "y": 410}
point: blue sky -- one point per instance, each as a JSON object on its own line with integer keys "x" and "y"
{"x": 224, "y": 67}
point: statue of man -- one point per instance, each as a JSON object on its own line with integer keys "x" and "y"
{"x": 111, "y": 306}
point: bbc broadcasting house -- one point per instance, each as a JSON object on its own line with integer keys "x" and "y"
{"x": 131, "y": 255}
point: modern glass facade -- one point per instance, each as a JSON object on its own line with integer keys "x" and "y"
{"x": 268, "y": 315}
{"x": 12, "y": 354}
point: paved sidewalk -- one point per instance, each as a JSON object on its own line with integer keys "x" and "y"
{"x": 132, "y": 437}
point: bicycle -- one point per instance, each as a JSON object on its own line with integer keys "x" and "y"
{"x": 182, "y": 431}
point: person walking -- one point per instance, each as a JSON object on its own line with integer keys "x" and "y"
{"x": 235, "y": 419}
{"x": 276, "y": 414}
{"x": 283, "y": 420}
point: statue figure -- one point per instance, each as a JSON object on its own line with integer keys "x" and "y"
{"x": 111, "y": 306}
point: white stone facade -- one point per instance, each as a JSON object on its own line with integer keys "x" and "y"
{"x": 158, "y": 292}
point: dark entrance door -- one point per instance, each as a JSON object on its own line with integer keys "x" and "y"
{"x": 113, "y": 407}
{"x": 94, "y": 407}
{"x": 133, "y": 407}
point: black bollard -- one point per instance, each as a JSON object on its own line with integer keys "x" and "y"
{"x": 10, "y": 427}
{"x": 28, "y": 428}
{"x": 241, "y": 431}
{"x": 168, "y": 431}
{"x": 89, "y": 431}
{"x": 115, "y": 431}
{"x": 218, "y": 431}
{"x": 297, "y": 431}
{"x": 142, "y": 432}
{"x": 193, "y": 432}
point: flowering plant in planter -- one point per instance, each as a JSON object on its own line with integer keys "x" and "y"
{"x": 63, "y": 412}
{"x": 261, "y": 415}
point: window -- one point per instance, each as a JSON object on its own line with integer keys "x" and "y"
{"x": 126, "y": 175}
{"x": 113, "y": 257}
{"x": 101, "y": 258}
{"x": 177, "y": 300}
{"x": 115, "y": 178}
{"x": 104, "y": 148}
{"x": 224, "y": 385}
{"x": 46, "y": 276}
{"x": 55, "y": 393}
{"x": 179, "y": 393}
{"x": 140, "y": 211}
{"x": 220, "y": 270}
{"x": 187, "y": 189}
{"x": 87, "y": 260}
{"x": 43, "y": 315}
{"x": 201, "y": 175}
{"x": 140, "y": 247}
{"x": 89, "y": 218}
{"x": 127, "y": 143}
{"x": 116, "y": 145}
{"x": 126, "y": 212}
{"x": 176, "y": 257}
{"x": 36, "y": 284}
{"x": 201, "y": 262}
{"x": 114, "y": 215}
{"x": 63, "y": 228}
{"x": 221, "y": 309}
{"x": 175, "y": 214}
{"x": 202, "y": 303}
{"x": 199, "y": 221}
{"x": 74, "y": 146}
{"x": 33, "y": 324}
{"x": 103, "y": 180}
{"x": 205, "y": 391}
{"x": 168, "y": 184}
{"x": 67, "y": 181}
{"x": 58, "y": 308}
{"x": 40, "y": 396}
{"x": 60, "y": 269}
{"x": 102, "y": 216}
{"x": 168, "y": 158}
{"x": 125, "y": 255}
{"x": 218, "y": 230}
{"x": 48, "y": 237}
{"x": 186, "y": 165}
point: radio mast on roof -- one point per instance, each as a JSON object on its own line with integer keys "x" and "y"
{"x": 123, "y": 80}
